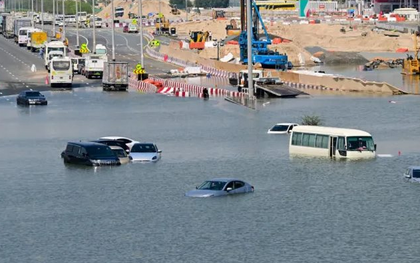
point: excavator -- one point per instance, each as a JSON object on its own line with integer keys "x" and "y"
{"x": 411, "y": 64}
{"x": 232, "y": 29}
{"x": 198, "y": 39}
{"x": 174, "y": 10}
{"x": 260, "y": 52}
{"x": 163, "y": 26}
{"x": 218, "y": 15}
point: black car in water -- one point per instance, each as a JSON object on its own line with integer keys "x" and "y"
{"x": 89, "y": 153}
{"x": 114, "y": 143}
{"x": 31, "y": 97}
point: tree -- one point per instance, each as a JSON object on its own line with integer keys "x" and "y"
{"x": 312, "y": 120}
{"x": 180, "y": 3}
{"x": 212, "y": 3}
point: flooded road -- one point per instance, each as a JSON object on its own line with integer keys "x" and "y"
{"x": 303, "y": 210}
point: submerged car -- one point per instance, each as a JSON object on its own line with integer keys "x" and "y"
{"x": 89, "y": 153}
{"x": 121, "y": 154}
{"x": 114, "y": 143}
{"x": 129, "y": 142}
{"x": 145, "y": 152}
{"x": 31, "y": 97}
{"x": 221, "y": 187}
{"x": 132, "y": 28}
{"x": 413, "y": 174}
{"x": 282, "y": 128}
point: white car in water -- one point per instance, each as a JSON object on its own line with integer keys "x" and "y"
{"x": 282, "y": 128}
{"x": 129, "y": 142}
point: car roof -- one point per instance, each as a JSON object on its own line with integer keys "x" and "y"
{"x": 414, "y": 167}
{"x": 286, "y": 123}
{"x": 116, "y": 148}
{"x": 114, "y": 138}
{"x": 87, "y": 144}
{"x": 225, "y": 179}
{"x": 31, "y": 91}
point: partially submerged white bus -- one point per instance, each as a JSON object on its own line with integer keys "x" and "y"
{"x": 331, "y": 142}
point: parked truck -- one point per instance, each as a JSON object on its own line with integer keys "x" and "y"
{"x": 18, "y": 24}
{"x": 115, "y": 76}
{"x": 7, "y": 25}
{"x": 94, "y": 66}
{"x": 37, "y": 40}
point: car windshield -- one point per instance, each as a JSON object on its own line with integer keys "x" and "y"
{"x": 101, "y": 51}
{"x": 280, "y": 128}
{"x": 100, "y": 151}
{"x": 23, "y": 32}
{"x": 119, "y": 152}
{"x": 416, "y": 173}
{"x": 212, "y": 185}
{"x": 143, "y": 148}
{"x": 360, "y": 144}
{"x": 33, "y": 94}
{"x": 61, "y": 65}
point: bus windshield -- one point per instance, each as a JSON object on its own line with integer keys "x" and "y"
{"x": 55, "y": 49}
{"x": 61, "y": 65}
{"x": 23, "y": 32}
{"x": 360, "y": 144}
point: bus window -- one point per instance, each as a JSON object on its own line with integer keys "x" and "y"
{"x": 61, "y": 65}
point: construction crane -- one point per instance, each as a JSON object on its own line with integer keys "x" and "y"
{"x": 411, "y": 64}
{"x": 260, "y": 52}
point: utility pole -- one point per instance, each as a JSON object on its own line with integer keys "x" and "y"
{"x": 141, "y": 32}
{"x": 94, "y": 27}
{"x": 32, "y": 11}
{"x": 77, "y": 27}
{"x": 64, "y": 23}
{"x": 113, "y": 29}
{"x": 186, "y": 10}
{"x": 42, "y": 15}
{"x": 54, "y": 18}
{"x": 249, "y": 48}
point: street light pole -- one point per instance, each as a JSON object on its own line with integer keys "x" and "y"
{"x": 77, "y": 26}
{"x": 113, "y": 29}
{"x": 141, "y": 32}
{"x": 94, "y": 27}
{"x": 42, "y": 15}
{"x": 186, "y": 10}
{"x": 249, "y": 47}
{"x": 32, "y": 11}
{"x": 64, "y": 23}
{"x": 54, "y": 18}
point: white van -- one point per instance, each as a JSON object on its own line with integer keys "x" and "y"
{"x": 53, "y": 54}
{"x": 53, "y": 46}
{"x": 23, "y": 35}
{"x": 98, "y": 22}
{"x": 331, "y": 142}
{"x": 61, "y": 73}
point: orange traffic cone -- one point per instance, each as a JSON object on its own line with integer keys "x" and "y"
{"x": 47, "y": 81}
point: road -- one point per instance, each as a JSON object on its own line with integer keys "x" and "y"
{"x": 127, "y": 47}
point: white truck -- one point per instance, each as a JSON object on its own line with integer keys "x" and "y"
{"x": 115, "y": 76}
{"x": 94, "y": 66}
{"x": 53, "y": 46}
{"x": 18, "y": 23}
{"x": 23, "y": 35}
{"x": 7, "y": 25}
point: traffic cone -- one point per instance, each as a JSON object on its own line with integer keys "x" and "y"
{"x": 47, "y": 81}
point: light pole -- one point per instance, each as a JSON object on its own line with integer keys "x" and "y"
{"x": 94, "y": 27}
{"x": 32, "y": 13}
{"x": 218, "y": 44}
{"x": 64, "y": 23}
{"x": 141, "y": 32}
{"x": 113, "y": 30}
{"x": 77, "y": 27}
{"x": 249, "y": 48}
{"x": 54, "y": 18}
{"x": 42, "y": 15}
{"x": 186, "y": 10}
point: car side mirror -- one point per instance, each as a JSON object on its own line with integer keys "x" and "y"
{"x": 374, "y": 147}
{"x": 407, "y": 175}
{"x": 159, "y": 151}
{"x": 196, "y": 187}
{"x": 229, "y": 189}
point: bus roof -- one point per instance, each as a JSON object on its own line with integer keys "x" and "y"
{"x": 330, "y": 131}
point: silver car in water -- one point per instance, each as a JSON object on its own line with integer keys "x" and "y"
{"x": 145, "y": 152}
{"x": 221, "y": 187}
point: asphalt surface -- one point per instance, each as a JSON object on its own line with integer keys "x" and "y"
{"x": 16, "y": 62}
{"x": 127, "y": 47}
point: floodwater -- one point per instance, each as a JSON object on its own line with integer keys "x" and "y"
{"x": 302, "y": 210}
{"x": 392, "y": 76}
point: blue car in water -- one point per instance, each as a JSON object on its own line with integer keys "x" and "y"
{"x": 221, "y": 187}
